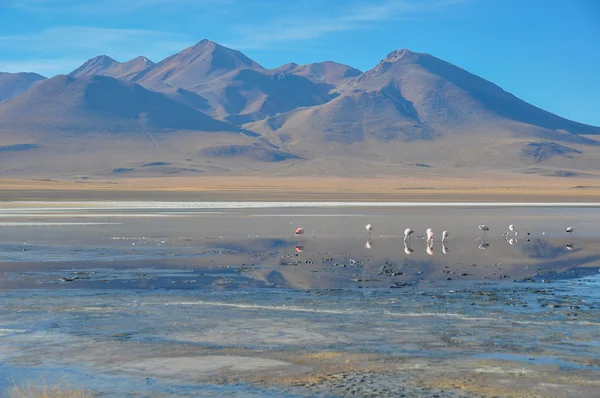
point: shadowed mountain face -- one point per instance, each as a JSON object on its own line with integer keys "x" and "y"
{"x": 326, "y": 72}
{"x": 14, "y": 84}
{"x": 321, "y": 118}
{"x": 410, "y": 97}
{"x": 100, "y": 103}
{"x": 237, "y": 88}
{"x": 253, "y": 152}
{"x": 249, "y": 94}
{"x": 540, "y": 151}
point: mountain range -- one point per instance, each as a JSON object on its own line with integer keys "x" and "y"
{"x": 210, "y": 109}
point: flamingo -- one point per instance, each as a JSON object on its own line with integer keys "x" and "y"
{"x": 368, "y": 245}
{"x": 512, "y": 229}
{"x": 430, "y": 234}
{"x": 369, "y": 228}
{"x": 444, "y": 236}
{"x": 484, "y": 228}
{"x": 569, "y": 230}
{"x": 299, "y": 231}
{"x": 407, "y": 233}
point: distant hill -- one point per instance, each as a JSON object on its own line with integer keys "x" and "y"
{"x": 14, "y": 84}
{"x": 100, "y": 103}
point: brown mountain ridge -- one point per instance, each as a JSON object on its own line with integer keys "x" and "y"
{"x": 409, "y": 111}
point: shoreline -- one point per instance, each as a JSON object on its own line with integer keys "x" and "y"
{"x": 68, "y": 205}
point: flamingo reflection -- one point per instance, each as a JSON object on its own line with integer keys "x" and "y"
{"x": 407, "y": 249}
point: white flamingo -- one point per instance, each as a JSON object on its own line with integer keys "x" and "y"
{"x": 444, "y": 236}
{"x": 369, "y": 228}
{"x": 430, "y": 234}
{"x": 484, "y": 228}
{"x": 569, "y": 230}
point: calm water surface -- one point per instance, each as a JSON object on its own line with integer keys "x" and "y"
{"x": 215, "y": 302}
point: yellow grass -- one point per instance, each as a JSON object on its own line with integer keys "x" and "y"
{"x": 432, "y": 189}
{"x": 31, "y": 389}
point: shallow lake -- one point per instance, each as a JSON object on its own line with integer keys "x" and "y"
{"x": 124, "y": 299}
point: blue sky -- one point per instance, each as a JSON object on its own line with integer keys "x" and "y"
{"x": 547, "y": 52}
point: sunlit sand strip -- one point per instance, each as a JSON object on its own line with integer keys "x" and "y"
{"x": 53, "y": 224}
{"x": 308, "y": 215}
{"x": 112, "y": 205}
{"x": 87, "y": 215}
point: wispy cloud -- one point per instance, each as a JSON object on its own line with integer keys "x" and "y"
{"x": 59, "y": 47}
{"x": 358, "y": 16}
{"x": 45, "y": 66}
{"x": 108, "y": 6}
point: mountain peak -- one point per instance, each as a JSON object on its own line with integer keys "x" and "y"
{"x": 14, "y": 84}
{"x": 95, "y": 66}
{"x": 140, "y": 60}
{"x": 398, "y": 54}
{"x": 102, "y": 60}
{"x": 206, "y": 44}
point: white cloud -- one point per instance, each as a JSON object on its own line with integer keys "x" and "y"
{"x": 359, "y": 16}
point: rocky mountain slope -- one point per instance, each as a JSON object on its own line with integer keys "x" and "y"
{"x": 212, "y": 109}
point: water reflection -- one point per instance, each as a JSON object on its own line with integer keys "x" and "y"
{"x": 407, "y": 249}
{"x": 316, "y": 262}
{"x": 445, "y": 249}
{"x": 429, "y": 250}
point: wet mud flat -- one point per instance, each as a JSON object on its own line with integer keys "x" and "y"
{"x": 231, "y": 303}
